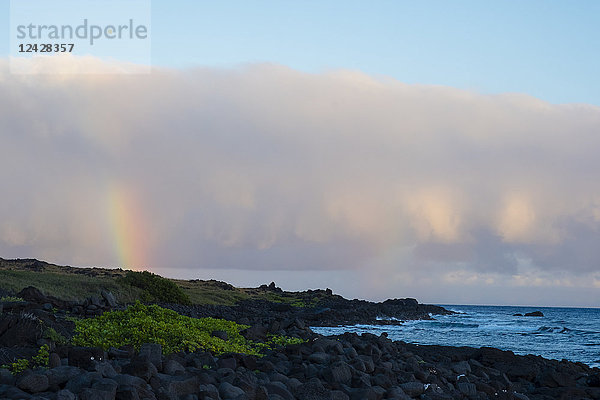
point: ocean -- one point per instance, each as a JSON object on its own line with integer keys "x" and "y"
{"x": 562, "y": 333}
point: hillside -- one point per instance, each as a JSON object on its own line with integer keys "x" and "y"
{"x": 204, "y": 297}
{"x": 76, "y": 337}
{"x": 75, "y": 283}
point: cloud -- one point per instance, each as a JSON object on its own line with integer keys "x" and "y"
{"x": 267, "y": 168}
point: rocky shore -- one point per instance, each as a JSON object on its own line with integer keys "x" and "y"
{"x": 341, "y": 367}
{"x": 331, "y": 310}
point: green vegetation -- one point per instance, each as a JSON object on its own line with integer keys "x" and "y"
{"x": 18, "y": 366}
{"x": 140, "y": 324}
{"x": 51, "y": 334}
{"x": 41, "y": 359}
{"x": 292, "y": 299}
{"x": 210, "y": 292}
{"x": 70, "y": 283}
{"x": 67, "y": 286}
{"x": 11, "y": 298}
{"x": 276, "y": 341}
{"x": 72, "y": 318}
{"x": 155, "y": 287}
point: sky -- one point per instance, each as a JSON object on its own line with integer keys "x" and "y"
{"x": 446, "y": 151}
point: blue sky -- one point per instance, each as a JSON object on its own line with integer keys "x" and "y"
{"x": 548, "y": 49}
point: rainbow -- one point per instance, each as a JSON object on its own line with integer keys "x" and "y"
{"x": 127, "y": 227}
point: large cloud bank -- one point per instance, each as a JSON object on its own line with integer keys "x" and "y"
{"x": 267, "y": 168}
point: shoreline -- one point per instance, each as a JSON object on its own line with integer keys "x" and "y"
{"x": 343, "y": 367}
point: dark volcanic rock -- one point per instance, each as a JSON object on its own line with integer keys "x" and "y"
{"x": 229, "y": 391}
{"x": 23, "y": 329}
{"x": 141, "y": 368}
{"x": 312, "y": 390}
{"x": 65, "y": 395}
{"x": 220, "y": 334}
{"x": 153, "y": 353}
{"x": 534, "y": 314}
{"x": 109, "y": 298}
{"x": 85, "y": 357}
{"x": 342, "y": 367}
{"x": 60, "y": 375}
{"x": 33, "y": 382}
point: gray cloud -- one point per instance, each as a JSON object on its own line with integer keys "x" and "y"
{"x": 267, "y": 168}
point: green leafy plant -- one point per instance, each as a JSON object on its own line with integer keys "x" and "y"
{"x": 51, "y": 334}
{"x": 155, "y": 287}
{"x": 71, "y": 318}
{"x": 292, "y": 301}
{"x": 41, "y": 359}
{"x": 18, "y": 366}
{"x": 11, "y": 298}
{"x": 140, "y": 324}
{"x": 276, "y": 341}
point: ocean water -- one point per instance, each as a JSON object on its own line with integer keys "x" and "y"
{"x": 562, "y": 333}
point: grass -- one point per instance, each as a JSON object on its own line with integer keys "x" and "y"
{"x": 209, "y": 292}
{"x": 70, "y": 283}
{"x": 66, "y": 286}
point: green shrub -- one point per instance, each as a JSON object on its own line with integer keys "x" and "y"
{"x": 18, "y": 366}
{"x": 41, "y": 359}
{"x": 140, "y": 324}
{"x": 155, "y": 287}
{"x": 51, "y": 334}
{"x": 276, "y": 341}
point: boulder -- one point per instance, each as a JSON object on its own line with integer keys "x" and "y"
{"x": 338, "y": 372}
{"x": 412, "y": 389}
{"x": 171, "y": 367}
{"x": 124, "y": 380}
{"x": 319, "y": 358}
{"x": 82, "y": 381}
{"x": 279, "y": 389}
{"x": 461, "y": 367}
{"x": 109, "y": 298}
{"x": 54, "y": 360}
{"x": 153, "y": 353}
{"x": 95, "y": 394}
{"x": 85, "y": 357}
{"x": 228, "y": 391}
{"x": 106, "y": 369}
{"x": 127, "y": 393}
{"x": 32, "y": 294}
{"x": 534, "y": 314}
{"x": 12, "y": 392}
{"x": 227, "y": 362}
{"x": 220, "y": 334}
{"x": 181, "y": 386}
{"x": 65, "y": 395}
{"x": 106, "y": 385}
{"x": 468, "y": 389}
{"x": 311, "y": 390}
{"x": 141, "y": 368}
{"x": 61, "y": 374}
{"x": 33, "y": 383}
{"x": 6, "y": 378}
{"x": 21, "y": 330}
